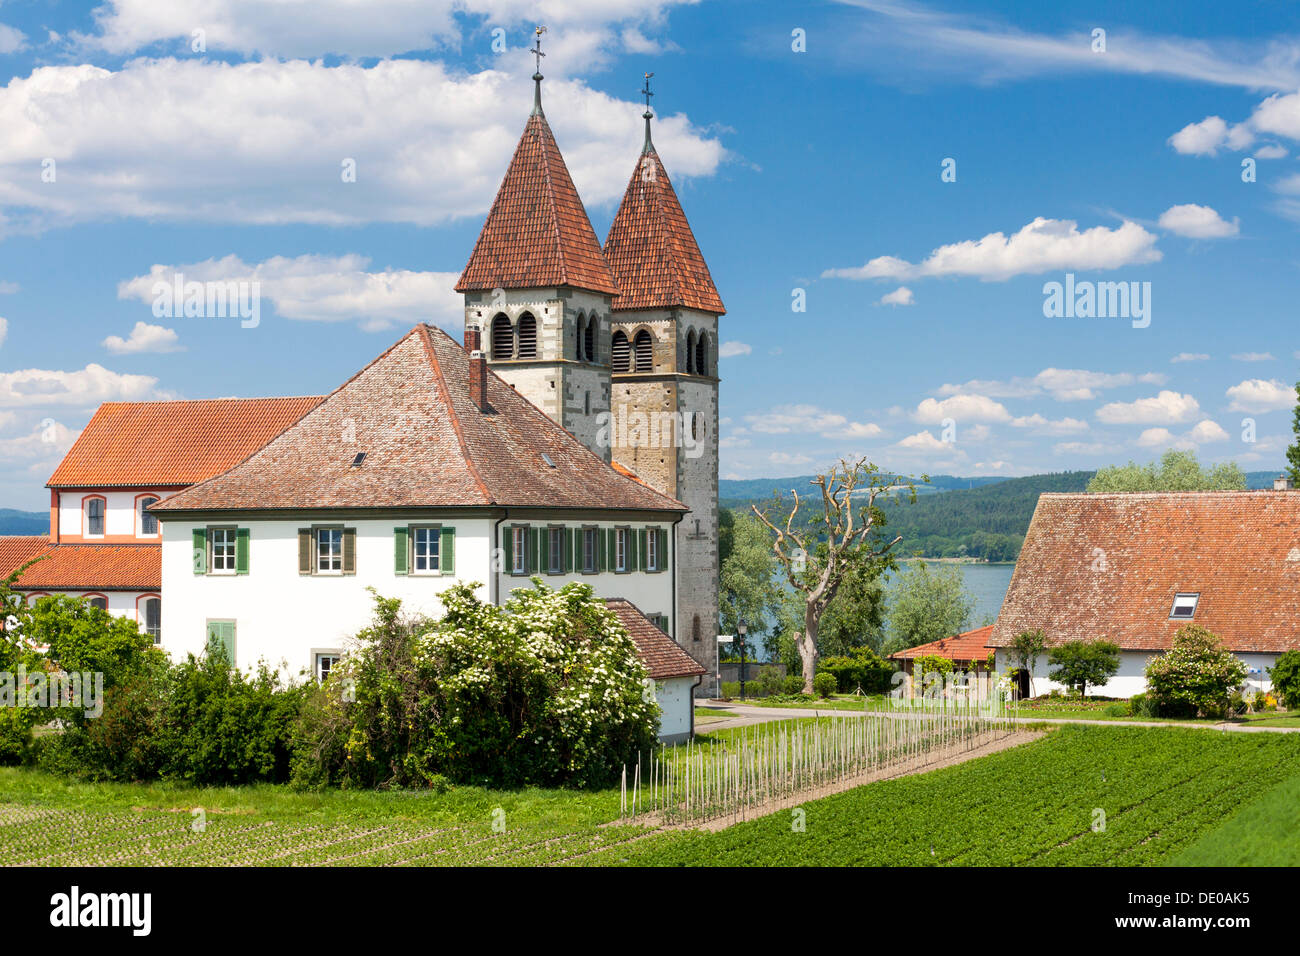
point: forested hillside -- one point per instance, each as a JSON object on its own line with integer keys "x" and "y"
{"x": 23, "y": 522}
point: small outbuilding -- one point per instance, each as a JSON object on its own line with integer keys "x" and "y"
{"x": 676, "y": 674}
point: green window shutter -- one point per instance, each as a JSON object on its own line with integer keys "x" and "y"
{"x": 401, "y": 537}
{"x": 508, "y": 549}
{"x": 642, "y": 550}
{"x": 349, "y": 550}
{"x": 223, "y": 632}
{"x": 200, "y": 557}
{"x": 304, "y": 550}
{"x": 575, "y": 560}
{"x": 663, "y": 551}
{"x": 539, "y": 543}
{"x": 567, "y": 544}
{"x": 241, "y": 550}
{"x": 447, "y": 551}
{"x": 600, "y": 549}
{"x": 611, "y": 553}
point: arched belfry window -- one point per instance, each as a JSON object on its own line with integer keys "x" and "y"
{"x": 620, "y": 352}
{"x": 503, "y": 338}
{"x": 589, "y": 338}
{"x": 527, "y": 336}
{"x": 702, "y": 355}
{"x": 690, "y": 351}
{"x": 644, "y": 352}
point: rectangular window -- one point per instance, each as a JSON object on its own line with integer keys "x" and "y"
{"x": 325, "y": 662}
{"x": 222, "y": 543}
{"x": 652, "y": 550}
{"x": 621, "y": 541}
{"x": 519, "y": 550}
{"x": 95, "y": 518}
{"x": 589, "y": 550}
{"x": 153, "y": 618}
{"x": 148, "y": 522}
{"x": 555, "y": 550}
{"x": 329, "y": 550}
{"x": 660, "y": 621}
{"x": 223, "y": 634}
{"x": 424, "y": 547}
{"x": 1184, "y": 606}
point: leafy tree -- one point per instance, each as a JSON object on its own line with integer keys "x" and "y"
{"x": 1026, "y": 648}
{"x": 17, "y": 650}
{"x": 1177, "y": 471}
{"x": 928, "y": 603}
{"x": 1080, "y": 663}
{"x": 1285, "y": 673}
{"x": 855, "y": 617}
{"x": 1196, "y": 674}
{"x": 1293, "y": 452}
{"x": 747, "y": 578}
{"x": 850, "y": 540}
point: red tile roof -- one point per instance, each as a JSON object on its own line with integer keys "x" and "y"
{"x": 652, "y": 250}
{"x": 426, "y": 445}
{"x": 537, "y": 233}
{"x": 966, "y": 646}
{"x": 17, "y": 549}
{"x": 1108, "y": 566}
{"x": 663, "y": 657}
{"x": 95, "y": 567}
{"x": 173, "y": 443}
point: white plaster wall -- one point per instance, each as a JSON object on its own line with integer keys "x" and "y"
{"x": 119, "y": 512}
{"x": 282, "y": 616}
{"x": 1131, "y": 678}
{"x": 676, "y": 700}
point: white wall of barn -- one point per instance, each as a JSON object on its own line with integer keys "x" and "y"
{"x": 121, "y": 514}
{"x": 1131, "y": 678}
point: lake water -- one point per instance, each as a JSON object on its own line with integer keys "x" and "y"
{"x": 987, "y": 584}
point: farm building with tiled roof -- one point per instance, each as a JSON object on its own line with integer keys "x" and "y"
{"x": 1134, "y": 568}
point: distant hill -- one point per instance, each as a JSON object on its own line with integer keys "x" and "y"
{"x": 754, "y": 489}
{"x": 23, "y": 522}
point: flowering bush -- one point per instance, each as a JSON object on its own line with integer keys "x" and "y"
{"x": 1196, "y": 674}
{"x": 547, "y": 689}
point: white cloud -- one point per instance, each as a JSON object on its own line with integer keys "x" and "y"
{"x": 11, "y": 40}
{"x": 324, "y": 289}
{"x": 265, "y": 142}
{"x": 43, "y": 445}
{"x": 1207, "y": 431}
{"x": 1041, "y": 246}
{"x": 1190, "y": 357}
{"x": 1165, "y": 408}
{"x": 8, "y": 288}
{"x": 1081, "y": 448}
{"x": 1038, "y": 423}
{"x": 784, "y": 458}
{"x": 92, "y": 385}
{"x": 809, "y": 419}
{"x": 856, "y": 430}
{"x": 961, "y": 408}
{"x": 1271, "y": 151}
{"x": 375, "y": 28}
{"x": 1197, "y": 222}
{"x": 925, "y": 441}
{"x": 900, "y": 296}
{"x": 4, "y": 330}
{"x": 144, "y": 338}
{"x": 1253, "y": 357}
{"x": 1259, "y": 395}
{"x": 976, "y": 433}
{"x": 1155, "y": 437}
{"x": 1201, "y": 139}
{"x": 732, "y": 349}
{"x": 1062, "y": 384}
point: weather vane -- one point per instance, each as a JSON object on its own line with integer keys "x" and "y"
{"x": 536, "y": 51}
{"x": 646, "y": 92}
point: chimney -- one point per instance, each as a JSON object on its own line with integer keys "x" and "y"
{"x": 473, "y": 338}
{"x": 478, "y": 378}
{"x": 1283, "y": 483}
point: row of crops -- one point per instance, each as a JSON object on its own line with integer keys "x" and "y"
{"x": 1082, "y": 796}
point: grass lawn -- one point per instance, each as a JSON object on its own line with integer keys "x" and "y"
{"x": 1169, "y": 795}
{"x": 707, "y": 715}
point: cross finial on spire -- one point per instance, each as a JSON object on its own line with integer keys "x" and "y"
{"x": 537, "y": 53}
{"x": 647, "y": 115}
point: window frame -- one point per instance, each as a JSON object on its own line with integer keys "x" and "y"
{"x": 142, "y": 614}
{"x": 85, "y": 516}
{"x": 90, "y": 597}
{"x": 230, "y": 532}
{"x": 555, "y": 532}
{"x": 316, "y": 532}
{"x": 519, "y": 556}
{"x": 140, "y": 515}
{"x": 622, "y": 539}
{"x": 435, "y": 532}
{"x": 320, "y": 652}
{"x": 234, "y": 639}
{"x": 590, "y": 533}
{"x": 652, "y": 555}
{"x": 1195, "y": 603}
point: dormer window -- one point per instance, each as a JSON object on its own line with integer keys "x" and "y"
{"x": 94, "y": 517}
{"x": 1184, "y": 606}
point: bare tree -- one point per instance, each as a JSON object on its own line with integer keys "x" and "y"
{"x": 841, "y": 542}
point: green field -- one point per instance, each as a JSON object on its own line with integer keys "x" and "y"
{"x": 1169, "y": 796}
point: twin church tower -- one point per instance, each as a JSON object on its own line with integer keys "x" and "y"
{"x": 618, "y": 345}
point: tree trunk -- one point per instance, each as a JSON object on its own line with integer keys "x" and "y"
{"x": 807, "y": 644}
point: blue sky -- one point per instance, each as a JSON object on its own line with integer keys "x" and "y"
{"x": 924, "y": 344}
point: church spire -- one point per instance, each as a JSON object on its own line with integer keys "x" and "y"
{"x": 537, "y": 53}
{"x": 649, "y": 146}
